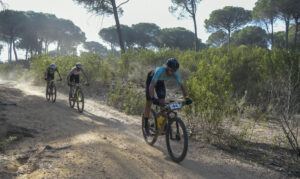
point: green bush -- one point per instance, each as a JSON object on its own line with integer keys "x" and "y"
{"x": 126, "y": 98}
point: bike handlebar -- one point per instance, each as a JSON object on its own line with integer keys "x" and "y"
{"x": 167, "y": 105}
{"x": 79, "y": 84}
{"x": 55, "y": 80}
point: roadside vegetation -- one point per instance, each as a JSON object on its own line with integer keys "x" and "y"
{"x": 244, "y": 82}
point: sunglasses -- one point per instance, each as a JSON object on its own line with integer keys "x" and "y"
{"x": 169, "y": 69}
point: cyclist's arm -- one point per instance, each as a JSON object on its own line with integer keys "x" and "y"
{"x": 184, "y": 92}
{"x": 151, "y": 89}
{"x": 179, "y": 81}
{"x": 59, "y": 74}
{"x": 68, "y": 77}
{"x": 46, "y": 73}
{"x": 87, "y": 79}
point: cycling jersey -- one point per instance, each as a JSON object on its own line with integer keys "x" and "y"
{"x": 74, "y": 71}
{"x": 159, "y": 87}
{"x": 50, "y": 71}
{"x": 160, "y": 74}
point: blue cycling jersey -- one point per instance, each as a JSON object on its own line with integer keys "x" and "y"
{"x": 160, "y": 74}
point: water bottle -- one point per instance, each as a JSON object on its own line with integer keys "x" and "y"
{"x": 160, "y": 120}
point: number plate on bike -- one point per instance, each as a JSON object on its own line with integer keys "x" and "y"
{"x": 175, "y": 106}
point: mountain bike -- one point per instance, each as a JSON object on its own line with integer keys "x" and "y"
{"x": 77, "y": 97}
{"x": 172, "y": 127}
{"x": 51, "y": 91}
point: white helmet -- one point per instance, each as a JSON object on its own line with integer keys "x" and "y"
{"x": 78, "y": 65}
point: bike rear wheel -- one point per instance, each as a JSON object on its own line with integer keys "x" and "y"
{"x": 152, "y": 124}
{"x": 53, "y": 93}
{"x": 177, "y": 139}
{"x": 80, "y": 100}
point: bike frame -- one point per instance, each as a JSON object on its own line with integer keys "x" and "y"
{"x": 162, "y": 110}
{"x": 77, "y": 88}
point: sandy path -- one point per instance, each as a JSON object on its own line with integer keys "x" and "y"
{"x": 100, "y": 143}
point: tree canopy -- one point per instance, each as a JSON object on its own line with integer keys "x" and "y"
{"x": 106, "y": 7}
{"x": 229, "y": 19}
{"x": 185, "y": 7}
{"x": 145, "y": 34}
{"x": 251, "y": 36}
{"x": 176, "y": 38}
{"x": 95, "y": 47}
{"x": 217, "y": 39}
{"x": 34, "y": 32}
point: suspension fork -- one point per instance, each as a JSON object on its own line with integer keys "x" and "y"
{"x": 77, "y": 89}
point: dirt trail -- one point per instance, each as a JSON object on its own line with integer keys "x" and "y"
{"x": 100, "y": 143}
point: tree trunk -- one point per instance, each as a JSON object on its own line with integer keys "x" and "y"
{"x": 296, "y": 32}
{"x": 57, "y": 49}
{"x": 15, "y": 52}
{"x": 26, "y": 54}
{"x": 272, "y": 33}
{"x": 46, "y": 47}
{"x": 195, "y": 27}
{"x": 40, "y": 46}
{"x": 118, "y": 26}
{"x": 229, "y": 31}
{"x": 10, "y": 50}
{"x": 287, "y": 25}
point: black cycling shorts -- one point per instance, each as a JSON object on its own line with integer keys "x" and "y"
{"x": 160, "y": 88}
{"x": 50, "y": 77}
{"x": 74, "y": 78}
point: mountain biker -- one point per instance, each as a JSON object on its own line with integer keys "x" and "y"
{"x": 49, "y": 75}
{"x": 155, "y": 80}
{"x": 73, "y": 77}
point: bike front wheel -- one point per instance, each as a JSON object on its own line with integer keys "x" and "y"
{"x": 80, "y": 101}
{"x": 72, "y": 101}
{"x": 53, "y": 93}
{"x": 177, "y": 139}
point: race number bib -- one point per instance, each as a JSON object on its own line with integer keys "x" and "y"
{"x": 175, "y": 106}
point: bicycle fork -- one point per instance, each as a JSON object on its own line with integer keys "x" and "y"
{"x": 177, "y": 136}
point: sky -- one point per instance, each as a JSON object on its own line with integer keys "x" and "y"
{"x": 135, "y": 11}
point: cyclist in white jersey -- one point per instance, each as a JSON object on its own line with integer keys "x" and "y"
{"x": 73, "y": 77}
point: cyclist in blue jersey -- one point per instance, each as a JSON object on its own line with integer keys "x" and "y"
{"x": 155, "y": 80}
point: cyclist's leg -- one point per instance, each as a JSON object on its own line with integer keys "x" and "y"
{"x": 148, "y": 102}
{"x": 72, "y": 80}
{"x": 76, "y": 80}
{"x": 160, "y": 90}
{"x": 50, "y": 82}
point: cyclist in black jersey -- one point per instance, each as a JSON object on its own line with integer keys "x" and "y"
{"x": 49, "y": 75}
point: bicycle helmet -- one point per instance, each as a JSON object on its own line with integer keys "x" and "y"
{"x": 78, "y": 65}
{"x": 173, "y": 64}
{"x": 53, "y": 66}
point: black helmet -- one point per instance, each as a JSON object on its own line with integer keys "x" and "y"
{"x": 173, "y": 64}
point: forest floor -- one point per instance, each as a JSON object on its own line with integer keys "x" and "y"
{"x": 52, "y": 140}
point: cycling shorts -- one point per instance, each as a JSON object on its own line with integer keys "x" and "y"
{"x": 50, "y": 77}
{"x": 74, "y": 78}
